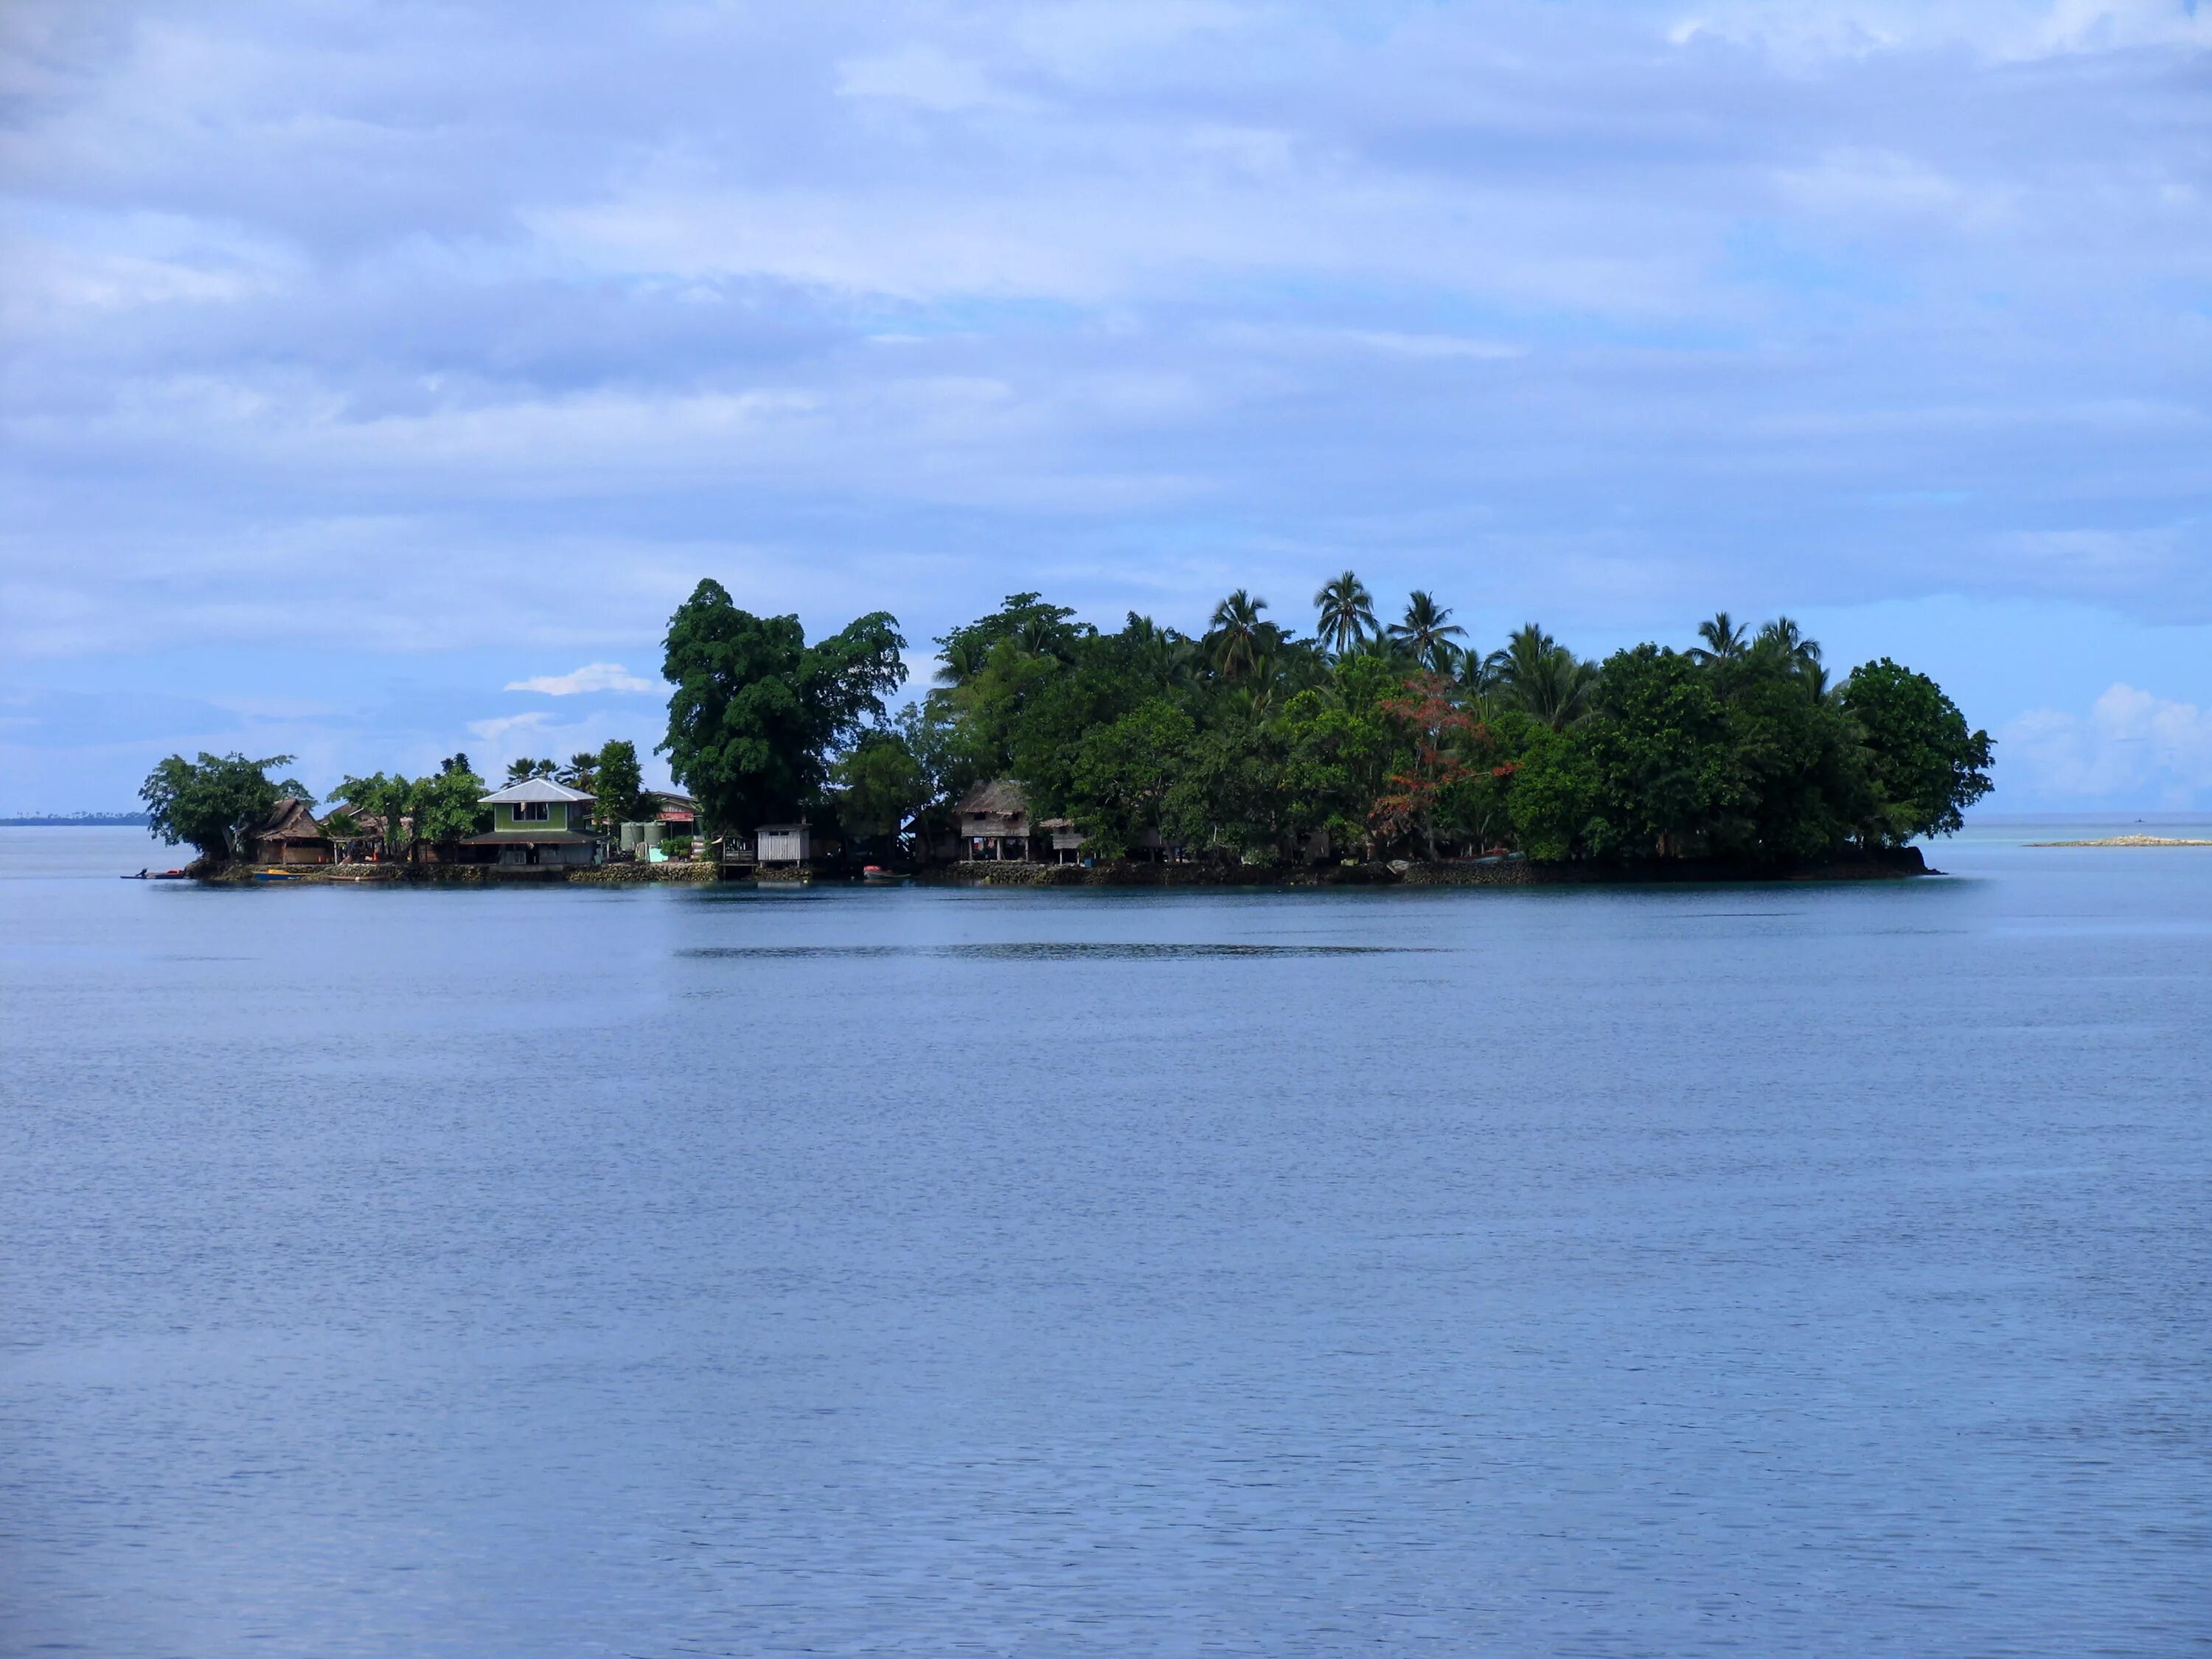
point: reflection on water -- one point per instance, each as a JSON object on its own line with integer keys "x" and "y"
{"x": 504, "y": 1272}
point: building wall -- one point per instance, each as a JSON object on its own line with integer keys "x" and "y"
{"x": 786, "y": 847}
{"x": 504, "y": 822}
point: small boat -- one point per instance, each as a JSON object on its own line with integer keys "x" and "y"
{"x": 877, "y": 873}
{"x": 275, "y": 875}
{"x": 157, "y": 875}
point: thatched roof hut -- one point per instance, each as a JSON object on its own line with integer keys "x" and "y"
{"x": 290, "y": 834}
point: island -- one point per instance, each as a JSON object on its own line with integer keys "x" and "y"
{"x": 1050, "y": 749}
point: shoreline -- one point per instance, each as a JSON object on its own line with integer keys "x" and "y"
{"x": 1899, "y": 864}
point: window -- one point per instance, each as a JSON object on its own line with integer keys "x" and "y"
{"x": 532, "y": 812}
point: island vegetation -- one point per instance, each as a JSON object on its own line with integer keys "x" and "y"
{"x": 1373, "y": 740}
{"x": 214, "y": 803}
{"x": 1247, "y": 745}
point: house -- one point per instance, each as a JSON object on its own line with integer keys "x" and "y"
{"x": 290, "y": 834}
{"x": 994, "y": 821}
{"x": 537, "y": 821}
{"x": 783, "y": 843}
{"x": 1067, "y": 840}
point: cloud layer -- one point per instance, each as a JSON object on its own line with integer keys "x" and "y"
{"x": 412, "y": 329}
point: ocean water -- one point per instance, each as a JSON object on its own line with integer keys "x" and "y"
{"x": 548, "y": 1272}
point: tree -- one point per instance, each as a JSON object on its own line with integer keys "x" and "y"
{"x": 1347, "y": 613}
{"x": 1427, "y": 633}
{"x": 213, "y": 802}
{"x": 1925, "y": 768}
{"x": 1724, "y": 642}
{"x": 621, "y": 785}
{"x": 1123, "y": 773}
{"x": 1784, "y": 640}
{"x": 521, "y": 771}
{"x": 881, "y": 783}
{"x": 1537, "y": 674}
{"x": 582, "y": 772}
{"x": 388, "y": 797}
{"x": 446, "y": 806}
{"x": 1229, "y": 793}
{"x": 1034, "y": 628}
{"x": 1236, "y": 635}
{"x": 757, "y": 713}
{"x": 1342, "y": 749}
{"x": 1441, "y": 731}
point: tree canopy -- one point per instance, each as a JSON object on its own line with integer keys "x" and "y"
{"x": 211, "y": 803}
{"x": 758, "y": 715}
{"x": 1248, "y": 741}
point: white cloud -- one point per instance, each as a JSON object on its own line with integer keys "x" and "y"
{"x": 592, "y": 676}
{"x": 2130, "y": 746}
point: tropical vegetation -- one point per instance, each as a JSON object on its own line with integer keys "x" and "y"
{"x": 1366, "y": 738}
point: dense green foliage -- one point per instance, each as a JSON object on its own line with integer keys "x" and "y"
{"x": 618, "y": 783}
{"x": 213, "y": 802}
{"x": 758, "y": 715}
{"x": 441, "y": 807}
{"x": 1248, "y": 742}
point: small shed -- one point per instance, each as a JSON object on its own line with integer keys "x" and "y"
{"x": 1067, "y": 840}
{"x": 783, "y": 843}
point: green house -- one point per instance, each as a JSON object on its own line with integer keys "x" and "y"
{"x": 537, "y": 821}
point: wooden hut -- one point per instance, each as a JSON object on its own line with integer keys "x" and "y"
{"x": 290, "y": 834}
{"x": 995, "y": 822}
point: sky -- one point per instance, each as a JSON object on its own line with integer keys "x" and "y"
{"x": 378, "y": 378}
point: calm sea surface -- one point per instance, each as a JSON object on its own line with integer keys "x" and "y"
{"x": 1790, "y": 1270}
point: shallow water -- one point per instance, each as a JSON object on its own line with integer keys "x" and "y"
{"x": 543, "y": 1272}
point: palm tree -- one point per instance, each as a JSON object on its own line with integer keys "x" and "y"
{"x": 1427, "y": 633}
{"x": 1347, "y": 613}
{"x": 1786, "y": 639}
{"x": 1724, "y": 640}
{"x": 963, "y": 658}
{"x": 1542, "y": 677}
{"x": 1236, "y": 633}
{"x": 1160, "y": 654}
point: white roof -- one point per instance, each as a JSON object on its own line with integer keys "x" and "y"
{"x": 532, "y": 789}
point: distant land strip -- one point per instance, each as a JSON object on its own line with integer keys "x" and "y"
{"x": 73, "y": 820}
{"x": 2124, "y": 840}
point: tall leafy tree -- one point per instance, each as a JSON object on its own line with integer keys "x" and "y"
{"x": 757, "y": 713}
{"x": 521, "y": 771}
{"x": 1125, "y": 773}
{"x": 620, "y": 783}
{"x": 1440, "y": 733}
{"x": 1346, "y": 613}
{"x": 389, "y": 798}
{"x": 446, "y": 805}
{"x": 881, "y": 782}
{"x": 212, "y": 803}
{"x": 1924, "y": 766}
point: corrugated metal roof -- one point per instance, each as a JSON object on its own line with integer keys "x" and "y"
{"x": 531, "y": 789}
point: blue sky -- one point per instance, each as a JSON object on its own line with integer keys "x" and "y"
{"x": 377, "y": 378}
